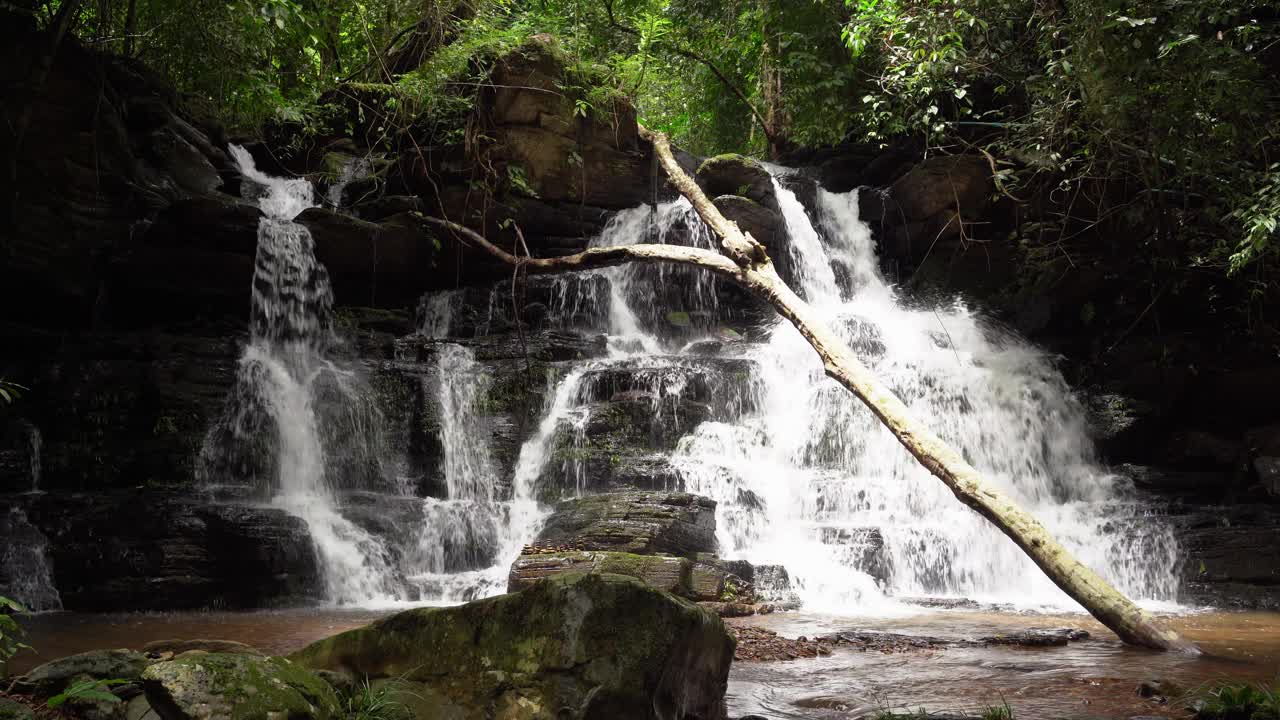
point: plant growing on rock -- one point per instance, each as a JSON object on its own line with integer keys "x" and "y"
{"x": 90, "y": 691}
{"x": 11, "y": 633}
{"x": 1236, "y": 701}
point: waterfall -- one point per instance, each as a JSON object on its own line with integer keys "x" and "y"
{"x": 299, "y": 424}
{"x": 35, "y": 446}
{"x": 467, "y": 540}
{"x": 834, "y": 497}
{"x": 25, "y": 574}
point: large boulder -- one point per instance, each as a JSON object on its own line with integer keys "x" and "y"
{"x": 54, "y": 676}
{"x": 204, "y": 686}
{"x": 590, "y": 647}
{"x": 672, "y": 523}
{"x": 943, "y": 183}
{"x": 733, "y": 174}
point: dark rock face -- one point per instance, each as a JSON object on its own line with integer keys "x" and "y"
{"x": 737, "y": 175}
{"x": 574, "y": 646}
{"x": 643, "y": 523}
{"x": 105, "y": 147}
{"x": 1232, "y": 556}
{"x": 137, "y": 549}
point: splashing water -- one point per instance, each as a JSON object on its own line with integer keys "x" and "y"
{"x": 297, "y": 423}
{"x": 834, "y": 496}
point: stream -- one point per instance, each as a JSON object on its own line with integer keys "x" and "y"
{"x": 1093, "y": 678}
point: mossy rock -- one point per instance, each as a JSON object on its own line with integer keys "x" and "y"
{"x": 12, "y": 710}
{"x": 237, "y": 686}
{"x": 54, "y": 676}
{"x": 734, "y": 174}
{"x": 573, "y": 646}
{"x": 669, "y": 574}
{"x": 673, "y": 523}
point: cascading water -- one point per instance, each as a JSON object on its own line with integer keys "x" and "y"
{"x": 25, "y": 574}
{"x": 806, "y": 477}
{"x": 297, "y": 421}
{"x": 837, "y": 500}
{"x": 469, "y": 538}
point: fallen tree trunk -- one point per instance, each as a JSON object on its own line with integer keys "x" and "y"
{"x": 744, "y": 261}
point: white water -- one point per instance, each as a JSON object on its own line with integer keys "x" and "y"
{"x": 35, "y": 445}
{"x": 832, "y": 477}
{"x": 812, "y": 481}
{"x": 284, "y": 371}
{"x": 804, "y": 475}
{"x": 25, "y": 574}
{"x": 468, "y": 540}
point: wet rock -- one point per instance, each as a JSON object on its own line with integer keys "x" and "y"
{"x": 864, "y": 548}
{"x": 241, "y": 686}
{"x": 1232, "y": 555}
{"x": 1036, "y": 638}
{"x": 578, "y": 646}
{"x": 55, "y": 676}
{"x": 14, "y": 710}
{"x": 669, "y": 574}
{"x": 940, "y": 184}
{"x": 733, "y": 174}
{"x": 373, "y": 264}
{"x": 737, "y": 609}
{"x": 633, "y": 522}
{"x": 167, "y": 550}
{"x": 756, "y": 644}
{"x": 177, "y": 647}
{"x": 714, "y": 581}
{"x": 1158, "y": 690}
{"x": 1263, "y": 447}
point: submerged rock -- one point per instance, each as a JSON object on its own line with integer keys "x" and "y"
{"x": 574, "y": 646}
{"x": 237, "y": 685}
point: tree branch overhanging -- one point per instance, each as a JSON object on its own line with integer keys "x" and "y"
{"x": 744, "y": 261}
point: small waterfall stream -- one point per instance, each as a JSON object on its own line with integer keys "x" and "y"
{"x": 298, "y": 414}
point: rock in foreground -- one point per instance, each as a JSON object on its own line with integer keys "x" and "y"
{"x": 572, "y": 646}
{"x": 240, "y": 686}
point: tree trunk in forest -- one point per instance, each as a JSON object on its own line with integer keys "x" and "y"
{"x": 777, "y": 121}
{"x": 744, "y": 261}
{"x": 130, "y": 27}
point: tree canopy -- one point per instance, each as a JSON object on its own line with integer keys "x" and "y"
{"x": 1146, "y": 106}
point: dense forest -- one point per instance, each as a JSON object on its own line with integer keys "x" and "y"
{"x": 1159, "y": 116}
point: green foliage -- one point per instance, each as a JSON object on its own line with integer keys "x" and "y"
{"x": 998, "y": 712}
{"x": 368, "y": 702}
{"x": 1237, "y": 701}
{"x": 10, "y": 391}
{"x": 11, "y": 633}
{"x": 91, "y": 691}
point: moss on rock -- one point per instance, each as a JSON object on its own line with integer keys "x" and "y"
{"x": 237, "y": 687}
{"x": 573, "y": 646}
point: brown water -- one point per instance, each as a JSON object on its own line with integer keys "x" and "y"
{"x": 1089, "y": 679}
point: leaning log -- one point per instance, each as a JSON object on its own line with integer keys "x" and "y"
{"x": 744, "y": 261}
